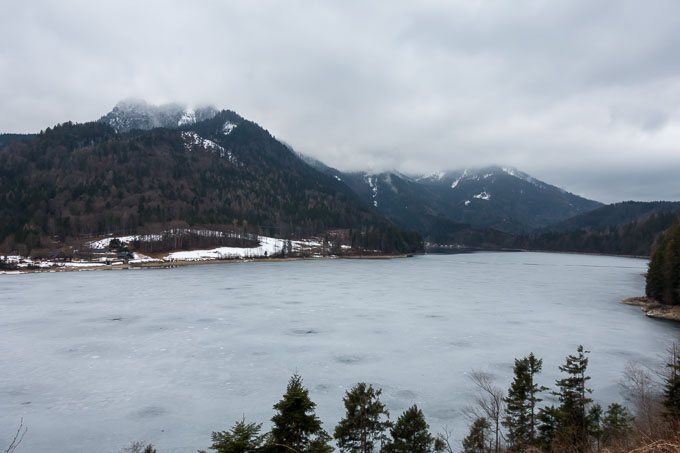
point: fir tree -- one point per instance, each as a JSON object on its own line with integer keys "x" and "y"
{"x": 363, "y": 424}
{"x": 477, "y": 440}
{"x": 572, "y": 413}
{"x": 410, "y": 433}
{"x": 295, "y": 425}
{"x": 241, "y": 438}
{"x": 521, "y": 403}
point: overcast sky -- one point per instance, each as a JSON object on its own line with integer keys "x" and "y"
{"x": 582, "y": 94}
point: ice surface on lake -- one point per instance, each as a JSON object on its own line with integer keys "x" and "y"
{"x": 93, "y": 361}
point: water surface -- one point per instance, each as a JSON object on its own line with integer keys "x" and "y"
{"x": 95, "y": 360}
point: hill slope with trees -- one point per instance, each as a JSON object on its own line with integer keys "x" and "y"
{"x": 663, "y": 276}
{"x": 634, "y": 238}
{"x": 615, "y": 214}
{"x": 77, "y": 180}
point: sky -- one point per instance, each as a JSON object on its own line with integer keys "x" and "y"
{"x": 583, "y": 94}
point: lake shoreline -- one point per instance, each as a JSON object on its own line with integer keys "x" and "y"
{"x": 444, "y": 251}
{"x": 182, "y": 263}
{"x": 654, "y": 309}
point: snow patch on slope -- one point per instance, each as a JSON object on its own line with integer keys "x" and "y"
{"x": 374, "y": 187}
{"x": 188, "y": 117}
{"x": 525, "y": 177}
{"x": 192, "y": 141}
{"x": 434, "y": 176}
{"x": 454, "y": 184}
{"x": 228, "y": 127}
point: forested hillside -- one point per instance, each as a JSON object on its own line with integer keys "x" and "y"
{"x": 77, "y": 180}
{"x": 633, "y": 238}
{"x": 663, "y": 277}
{"x": 7, "y": 139}
{"x": 615, "y": 214}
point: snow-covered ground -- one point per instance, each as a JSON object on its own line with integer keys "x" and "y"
{"x": 269, "y": 247}
{"x": 103, "y": 243}
{"x": 23, "y": 264}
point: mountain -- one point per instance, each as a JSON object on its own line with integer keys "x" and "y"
{"x": 76, "y": 180}
{"x": 498, "y": 198}
{"x": 614, "y": 215}
{"x": 504, "y": 198}
{"x": 138, "y": 114}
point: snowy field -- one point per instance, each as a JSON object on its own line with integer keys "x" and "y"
{"x": 95, "y": 360}
{"x": 268, "y": 247}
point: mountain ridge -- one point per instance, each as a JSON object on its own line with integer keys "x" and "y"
{"x": 497, "y": 197}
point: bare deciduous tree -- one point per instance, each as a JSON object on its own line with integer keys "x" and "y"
{"x": 442, "y": 442}
{"x": 489, "y": 404}
{"x": 139, "y": 447}
{"x": 643, "y": 392}
{"x": 18, "y": 437}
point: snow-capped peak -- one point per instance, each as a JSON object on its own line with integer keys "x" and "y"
{"x": 524, "y": 177}
{"x": 138, "y": 114}
{"x": 188, "y": 117}
{"x": 434, "y": 176}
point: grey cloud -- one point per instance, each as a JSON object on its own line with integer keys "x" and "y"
{"x": 566, "y": 90}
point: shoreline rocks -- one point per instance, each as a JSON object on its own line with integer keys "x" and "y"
{"x": 654, "y": 309}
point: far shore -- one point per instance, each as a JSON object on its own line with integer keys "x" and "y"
{"x": 178, "y": 263}
{"x": 454, "y": 251}
{"x": 654, "y": 309}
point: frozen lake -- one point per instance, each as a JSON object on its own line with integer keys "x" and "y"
{"x": 95, "y": 360}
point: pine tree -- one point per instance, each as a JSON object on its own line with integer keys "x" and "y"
{"x": 241, "y": 438}
{"x": 616, "y": 426}
{"x": 410, "y": 433}
{"x": 671, "y": 390}
{"x": 477, "y": 440}
{"x": 295, "y": 424}
{"x": 547, "y": 428}
{"x": 572, "y": 415}
{"x": 363, "y": 424}
{"x": 655, "y": 280}
{"x": 672, "y": 290}
{"x": 595, "y": 427}
{"x": 663, "y": 275}
{"x": 521, "y": 403}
